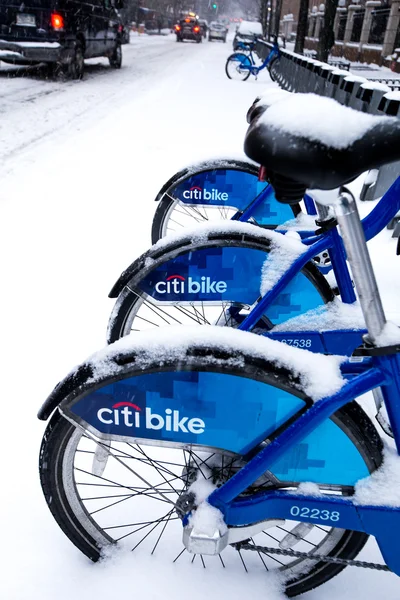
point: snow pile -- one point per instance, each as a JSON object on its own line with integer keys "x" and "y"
{"x": 383, "y": 486}
{"x": 319, "y": 375}
{"x": 250, "y": 28}
{"x": 200, "y": 233}
{"x": 375, "y": 85}
{"x": 390, "y": 335}
{"x": 279, "y": 259}
{"x": 206, "y": 519}
{"x": 272, "y": 95}
{"x": 300, "y": 223}
{"x": 335, "y": 315}
{"x": 308, "y": 488}
{"x": 319, "y": 119}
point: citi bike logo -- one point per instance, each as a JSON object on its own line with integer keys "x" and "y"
{"x": 130, "y": 415}
{"x": 176, "y": 284}
{"x": 196, "y": 193}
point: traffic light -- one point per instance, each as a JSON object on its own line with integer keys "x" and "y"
{"x": 215, "y": 6}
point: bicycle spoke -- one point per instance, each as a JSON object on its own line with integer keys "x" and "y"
{"x": 142, "y": 540}
{"x": 259, "y": 554}
{"x": 243, "y": 563}
{"x": 162, "y": 532}
{"x": 126, "y": 466}
{"x": 144, "y": 523}
{"x": 179, "y": 555}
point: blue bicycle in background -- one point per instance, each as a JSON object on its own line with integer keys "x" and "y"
{"x": 240, "y": 65}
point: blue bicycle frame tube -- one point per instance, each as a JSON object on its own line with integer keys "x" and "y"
{"x": 310, "y": 205}
{"x": 297, "y": 431}
{"x": 337, "y": 254}
{"x": 247, "y": 213}
{"x": 258, "y": 311}
{"x": 391, "y": 392}
{"x": 383, "y": 522}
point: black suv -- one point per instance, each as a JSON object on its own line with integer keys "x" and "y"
{"x": 188, "y": 29}
{"x": 61, "y": 33}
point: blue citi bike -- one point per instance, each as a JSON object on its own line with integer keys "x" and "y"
{"x": 240, "y": 65}
{"x": 216, "y": 444}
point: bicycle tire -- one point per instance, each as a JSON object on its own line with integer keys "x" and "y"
{"x": 270, "y": 68}
{"x": 130, "y": 298}
{"x": 244, "y": 59}
{"x": 65, "y": 482}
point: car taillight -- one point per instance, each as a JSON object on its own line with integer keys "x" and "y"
{"x": 196, "y": 29}
{"x": 177, "y": 27}
{"x": 57, "y": 22}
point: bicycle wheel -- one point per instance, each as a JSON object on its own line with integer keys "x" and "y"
{"x": 103, "y": 493}
{"x": 140, "y": 306}
{"x": 271, "y": 66}
{"x": 173, "y": 215}
{"x": 238, "y": 67}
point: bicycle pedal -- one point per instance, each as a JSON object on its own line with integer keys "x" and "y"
{"x": 197, "y": 542}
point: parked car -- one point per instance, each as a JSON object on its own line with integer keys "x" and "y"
{"x": 123, "y": 27}
{"x": 217, "y": 31}
{"x": 203, "y": 26}
{"x": 247, "y": 31}
{"x": 61, "y": 33}
{"x": 188, "y": 29}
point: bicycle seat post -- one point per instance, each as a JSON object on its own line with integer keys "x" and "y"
{"x": 357, "y": 252}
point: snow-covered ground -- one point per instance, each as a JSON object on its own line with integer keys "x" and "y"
{"x": 80, "y": 165}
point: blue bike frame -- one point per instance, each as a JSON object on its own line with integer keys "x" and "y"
{"x": 330, "y": 342}
{"x": 255, "y": 70}
{"x": 382, "y": 371}
{"x": 380, "y": 521}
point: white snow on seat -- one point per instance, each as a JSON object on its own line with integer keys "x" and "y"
{"x": 319, "y": 119}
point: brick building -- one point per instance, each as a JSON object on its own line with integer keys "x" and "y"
{"x": 365, "y": 30}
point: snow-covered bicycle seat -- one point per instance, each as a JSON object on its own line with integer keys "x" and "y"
{"x": 263, "y": 101}
{"x": 318, "y": 143}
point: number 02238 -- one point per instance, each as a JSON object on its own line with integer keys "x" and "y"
{"x": 315, "y": 513}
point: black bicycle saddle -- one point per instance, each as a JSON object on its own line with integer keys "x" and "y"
{"x": 316, "y": 142}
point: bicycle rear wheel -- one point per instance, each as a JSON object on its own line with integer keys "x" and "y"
{"x": 238, "y": 67}
{"x": 103, "y": 493}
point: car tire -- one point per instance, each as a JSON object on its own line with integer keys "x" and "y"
{"x": 115, "y": 59}
{"x": 75, "y": 68}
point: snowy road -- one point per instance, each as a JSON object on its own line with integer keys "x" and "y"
{"x": 80, "y": 164}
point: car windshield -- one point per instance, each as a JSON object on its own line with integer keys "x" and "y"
{"x": 217, "y": 26}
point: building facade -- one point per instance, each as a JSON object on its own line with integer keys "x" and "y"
{"x": 367, "y": 31}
